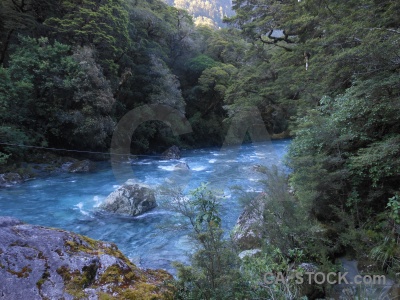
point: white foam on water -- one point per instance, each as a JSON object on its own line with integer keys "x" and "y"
{"x": 142, "y": 163}
{"x": 115, "y": 186}
{"x": 167, "y": 168}
{"x": 153, "y": 213}
{"x": 211, "y": 161}
{"x": 253, "y": 191}
{"x": 218, "y": 154}
{"x": 80, "y": 206}
{"x": 96, "y": 199}
{"x": 200, "y": 168}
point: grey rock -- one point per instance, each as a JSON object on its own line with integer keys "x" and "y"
{"x": 171, "y": 153}
{"x": 9, "y": 221}
{"x": 9, "y": 179}
{"x": 130, "y": 199}
{"x": 308, "y": 267}
{"x": 247, "y": 233}
{"x": 77, "y": 166}
{"x": 45, "y": 263}
{"x": 249, "y": 253}
{"x": 181, "y": 166}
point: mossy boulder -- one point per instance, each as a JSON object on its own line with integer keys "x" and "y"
{"x": 45, "y": 263}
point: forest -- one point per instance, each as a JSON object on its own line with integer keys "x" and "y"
{"x": 324, "y": 73}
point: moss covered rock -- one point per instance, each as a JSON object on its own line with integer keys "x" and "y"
{"x": 44, "y": 263}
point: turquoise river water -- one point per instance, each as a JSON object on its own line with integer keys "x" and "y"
{"x": 70, "y": 201}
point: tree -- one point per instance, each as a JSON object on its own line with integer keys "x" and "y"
{"x": 18, "y": 16}
{"x": 56, "y": 97}
{"x": 103, "y": 25}
{"x": 214, "y": 270}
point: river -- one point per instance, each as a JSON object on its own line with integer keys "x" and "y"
{"x": 70, "y": 201}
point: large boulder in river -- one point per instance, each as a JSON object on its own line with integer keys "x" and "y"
{"x": 46, "y": 263}
{"x": 171, "y": 153}
{"x": 130, "y": 199}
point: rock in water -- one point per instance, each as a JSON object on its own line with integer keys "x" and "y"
{"x": 78, "y": 166}
{"x": 130, "y": 199}
{"x": 182, "y": 166}
{"x": 46, "y": 263}
{"x": 171, "y": 153}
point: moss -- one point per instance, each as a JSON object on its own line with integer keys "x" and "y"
{"x": 24, "y": 273}
{"x": 104, "y": 296}
{"x": 80, "y": 243}
{"x": 143, "y": 291}
{"x": 75, "y": 281}
{"x": 44, "y": 277}
{"x": 19, "y": 244}
{"x": 114, "y": 274}
{"x": 41, "y": 255}
{"x": 126, "y": 282}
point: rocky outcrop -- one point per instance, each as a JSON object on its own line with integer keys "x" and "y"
{"x": 130, "y": 199}
{"x": 247, "y": 233}
{"x": 45, "y": 263}
{"x": 171, "y": 153}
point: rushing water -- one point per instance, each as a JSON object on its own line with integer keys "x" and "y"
{"x": 69, "y": 201}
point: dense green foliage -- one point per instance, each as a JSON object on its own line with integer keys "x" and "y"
{"x": 341, "y": 58}
{"x": 328, "y": 71}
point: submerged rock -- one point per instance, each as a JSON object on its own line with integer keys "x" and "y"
{"x": 45, "y": 263}
{"x": 171, "y": 153}
{"x": 130, "y": 199}
{"x": 78, "y": 166}
{"x": 182, "y": 166}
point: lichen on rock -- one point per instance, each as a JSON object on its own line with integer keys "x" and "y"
{"x": 44, "y": 263}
